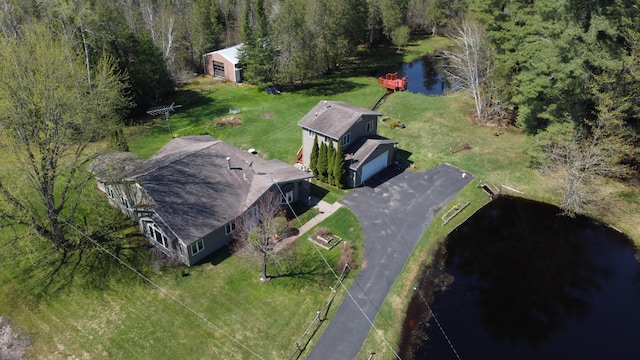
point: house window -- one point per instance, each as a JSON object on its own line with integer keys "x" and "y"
{"x": 157, "y": 235}
{"x": 218, "y": 69}
{"x": 326, "y": 139}
{"x": 287, "y": 197}
{"x": 312, "y": 133}
{"x": 254, "y": 212}
{"x": 124, "y": 201}
{"x": 346, "y": 139}
{"x": 197, "y": 246}
{"x": 370, "y": 126}
{"x": 110, "y": 193}
{"x": 229, "y": 227}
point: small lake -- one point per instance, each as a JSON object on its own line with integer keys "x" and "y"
{"x": 524, "y": 283}
{"x": 425, "y": 76}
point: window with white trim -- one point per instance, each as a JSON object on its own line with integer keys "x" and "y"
{"x": 229, "y": 227}
{"x": 346, "y": 139}
{"x": 326, "y": 138}
{"x": 311, "y": 133}
{"x": 287, "y": 197}
{"x": 157, "y": 235}
{"x": 370, "y": 126}
{"x": 197, "y": 246}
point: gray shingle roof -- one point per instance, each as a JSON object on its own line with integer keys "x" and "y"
{"x": 194, "y": 190}
{"x": 333, "y": 118}
{"x": 363, "y": 148}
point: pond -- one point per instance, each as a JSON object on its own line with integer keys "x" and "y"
{"x": 425, "y": 76}
{"x": 524, "y": 283}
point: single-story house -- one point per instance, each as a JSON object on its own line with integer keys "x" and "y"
{"x": 187, "y": 197}
{"x": 366, "y": 153}
{"x": 223, "y": 64}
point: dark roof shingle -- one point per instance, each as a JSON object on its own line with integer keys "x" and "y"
{"x": 333, "y": 118}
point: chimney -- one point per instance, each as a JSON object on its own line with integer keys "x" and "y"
{"x": 228, "y": 163}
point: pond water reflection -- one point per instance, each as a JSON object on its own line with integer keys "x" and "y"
{"x": 526, "y": 283}
{"x": 425, "y": 76}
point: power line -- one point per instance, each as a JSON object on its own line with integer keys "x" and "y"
{"x": 437, "y": 322}
{"x": 340, "y": 280}
{"x": 209, "y": 323}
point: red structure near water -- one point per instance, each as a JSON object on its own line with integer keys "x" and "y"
{"x": 393, "y": 83}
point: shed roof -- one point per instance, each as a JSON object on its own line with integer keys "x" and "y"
{"x": 230, "y": 53}
{"x": 194, "y": 189}
{"x": 333, "y": 118}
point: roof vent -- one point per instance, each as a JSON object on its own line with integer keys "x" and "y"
{"x": 326, "y": 104}
{"x": 228, "y": 163}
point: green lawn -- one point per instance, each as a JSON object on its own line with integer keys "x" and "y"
{"x": 114, "y": 314}
{"x": 76, "y": 311}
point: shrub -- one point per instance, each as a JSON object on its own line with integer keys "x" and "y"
{"x": 394, "y": 123}
{"x": 347, "y": 256}
{"x": 323, "y": 231}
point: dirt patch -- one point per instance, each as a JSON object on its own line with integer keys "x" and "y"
{"x": 268, "y": 116}
{"x": 231, "y": 121}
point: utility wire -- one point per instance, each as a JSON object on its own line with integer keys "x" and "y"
{"x": 340, "y": 280}
{"x": 209, "y": 323}
{"x": 437, "y": 322}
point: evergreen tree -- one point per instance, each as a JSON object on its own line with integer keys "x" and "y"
{"x": 339, "y": 167}
{"x": 322, "y": 163}
{"x": 331, "y": 156}
{"x": 258, "y": 53}
{"x": 313, "y": 162}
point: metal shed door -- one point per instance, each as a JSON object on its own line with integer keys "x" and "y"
{"x": 375, "y": 165}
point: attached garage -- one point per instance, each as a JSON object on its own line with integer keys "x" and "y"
{"x": 368, "y": 157}
{"x": 375, "y": 166}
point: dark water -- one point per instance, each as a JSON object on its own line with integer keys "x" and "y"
{"x": 529, "y": 284}
{"x": 425, "y": 76}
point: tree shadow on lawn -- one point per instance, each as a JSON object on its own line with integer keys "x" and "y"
{"x": 53, "y": 273}
{"x": 328, "y": 86}
{"x": 194, "y": 108}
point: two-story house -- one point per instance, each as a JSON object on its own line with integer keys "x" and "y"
{"x": 187, "y": 197}
{"x": 366, "y": 153}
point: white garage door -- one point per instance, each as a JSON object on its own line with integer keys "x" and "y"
{"x": 375, "y": 165}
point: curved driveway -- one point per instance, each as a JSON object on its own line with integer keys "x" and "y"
{"x": 393, "y": 215}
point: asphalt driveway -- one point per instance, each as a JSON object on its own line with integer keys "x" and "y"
{"x": 393, "y": 215}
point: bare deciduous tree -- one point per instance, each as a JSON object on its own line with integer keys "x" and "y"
{"x": 469, "y": 63}
{"x": 49, "y": 118}
{"x": 259, "y": 228}
{"x": 594, "y": 152}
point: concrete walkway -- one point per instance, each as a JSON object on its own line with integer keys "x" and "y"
{"x": 326, "y": 210}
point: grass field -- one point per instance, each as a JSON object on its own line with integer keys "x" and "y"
{"x": 107, "y": 311}
{"x": 215, "y": 310}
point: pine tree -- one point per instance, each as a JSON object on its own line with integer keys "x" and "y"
{"x": 339, "y": 167}
{"x": 331, "y": 156}
{"x": 313, "y": 162}
{"x": 322, "y": 162}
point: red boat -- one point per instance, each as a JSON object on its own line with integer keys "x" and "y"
{"x": 392, "y": 82}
